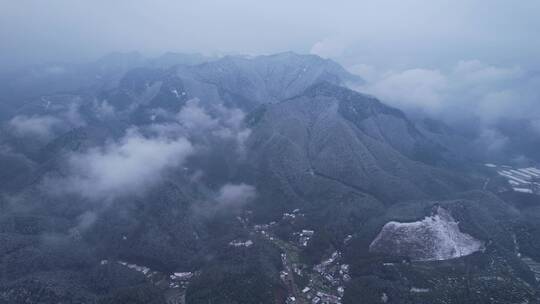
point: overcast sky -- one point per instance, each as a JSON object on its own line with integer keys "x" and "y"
{"x": 396, "y": 33}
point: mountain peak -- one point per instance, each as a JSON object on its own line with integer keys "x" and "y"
{"x": 327, "y": 88}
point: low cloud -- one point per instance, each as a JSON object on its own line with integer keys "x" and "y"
{"x": 411, "y": 88}
{"x": 329, "y": 48}
{"x": 45, "y": 127}
{"x": 127, "y": 167}
{"x": 535, "y": 124}
{"x": 492, "y": 141}
{"x": 469, "y": 89}
{"x": 72, "y": 116}
{"x": 41, "y": 127}
{"x": 142, "y": 157}
{"x": 229, "y": 199}
{"x": 234, "y": 196}
{"x": 86, "y": 220}
{"x": 473, "y": 97}
{"x": 217, "y": 121}
{"x": 232, "y": 127}
{"x": 195, "y": 118}
{"x": 167, "y": 130}
{"x": 103, "y": 109}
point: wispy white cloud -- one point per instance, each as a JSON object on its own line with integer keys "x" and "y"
{"x": 420, "y": 88}
{"x": 195, "y": 118}
{"x": 234, "y": 196}
{"x": 329, "y": 48}
{"x": 41, "y": 127}
{"x": 103, "y": 109}
{"x": 126, "y": 167}
{"x": 215, "y": 121}
{"x": 46, "y": 126}
{"x": 468, "y": 90}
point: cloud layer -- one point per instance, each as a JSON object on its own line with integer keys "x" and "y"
{"x": 467, "y": 90}
{"x": 234, "y": 196}
{"x": 216, "y": 122}
{"x": 127, "y": 167}
{"x": 44, "y": 127}
{"x": 34, "y": 126}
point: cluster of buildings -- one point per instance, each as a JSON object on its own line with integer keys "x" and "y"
{"x": 326, "y": 280}
{"x": 319, "y": 297}
{"x": 324, "y": 298}
{"x": 304, "y": 236}
{"x": 180, "y": 279}
{"x": 288, "y": 216}
{"x": 292, "y": 215}
{"x": 525, "y": 180}
{"x": 143, "y": 269}
{"x": 290, "y": 300}
{"x": 332, "y": 274}
{"x": 237, "y": 243}
{"x": 176, "y": 282}
{"x": 333, "y": 271}
{"x": 264, "y": 227}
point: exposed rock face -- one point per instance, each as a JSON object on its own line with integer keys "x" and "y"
{"x": 436, "y": 237}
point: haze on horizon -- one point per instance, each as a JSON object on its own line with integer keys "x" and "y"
{"x": 389, "y": 33}
{"x": 444, "y": 58}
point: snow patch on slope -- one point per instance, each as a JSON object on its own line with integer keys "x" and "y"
{"x": 436, "y": 237}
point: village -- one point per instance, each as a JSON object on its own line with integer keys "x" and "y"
{"x": 323, "y": 283}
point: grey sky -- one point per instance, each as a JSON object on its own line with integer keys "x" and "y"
{"x": 396, "y": 33}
